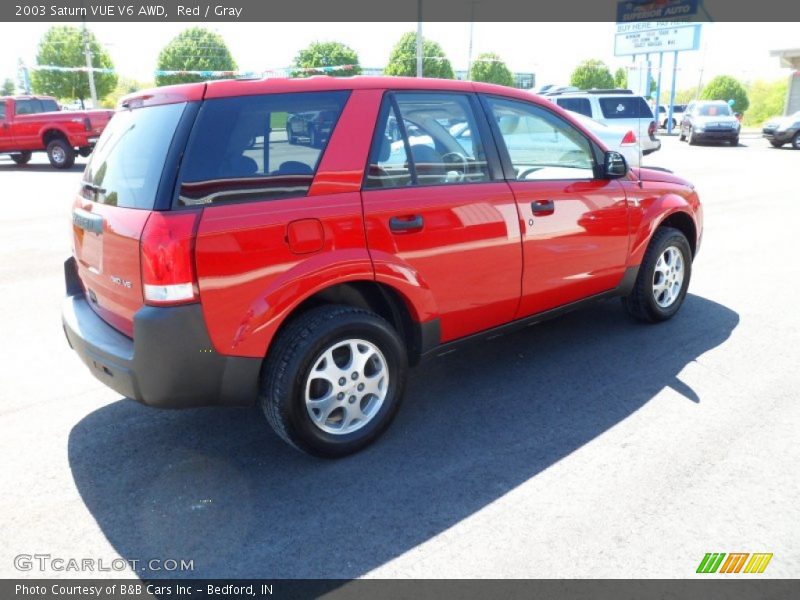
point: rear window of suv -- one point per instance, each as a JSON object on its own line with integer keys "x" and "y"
{"x": 625, "y": 107}
{"x": 260, "y": 147}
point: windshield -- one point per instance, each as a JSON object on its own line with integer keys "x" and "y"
{"x": 126, "y": 165}
{"x": 714, "y": 110}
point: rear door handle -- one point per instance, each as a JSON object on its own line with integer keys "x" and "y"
{"x": 543, "y": 207}
{"x": 410, "y": 223}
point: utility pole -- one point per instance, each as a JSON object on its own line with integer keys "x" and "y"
{"x": 419, "y": 38}
{"x": 87, "y": 51}
{"x": 471, "y": 30}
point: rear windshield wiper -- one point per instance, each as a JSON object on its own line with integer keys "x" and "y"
{"x": 95, "y": 188}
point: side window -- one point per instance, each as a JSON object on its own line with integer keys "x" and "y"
{"x": 578, "y": 105}
{"x": 25, "y": 107}
{"x": 541, "y": 146}
{"x": 433, "y": 140}
{"x": 257, "y": 147}
{"x": 48, "y": 105}
{"x": 2, "y": 110}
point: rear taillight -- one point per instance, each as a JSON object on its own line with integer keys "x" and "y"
{"x": 651, "y": 130}
{"x": 167, "y": 256}
{"x": 87, "y": 124}
{"x": 630, "y": 138}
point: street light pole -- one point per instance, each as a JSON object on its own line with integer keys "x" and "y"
{"x": 471, "y": 30}
{"x": 419, "y": 38}
{"x": 87, "y": 51}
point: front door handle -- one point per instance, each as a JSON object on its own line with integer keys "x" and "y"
{"x": 405, "y": 224}
{"x": 543, "y": 207}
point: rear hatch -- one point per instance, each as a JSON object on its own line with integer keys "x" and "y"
{"x": 630, "y": 112}
{"x": 129, "y": 178}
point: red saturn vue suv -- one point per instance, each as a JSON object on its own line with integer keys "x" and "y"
{"x": 216, "y": 261}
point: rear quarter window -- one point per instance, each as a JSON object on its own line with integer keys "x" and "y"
{"x": 578, "y": 105}
{"x": 628, "y": 107}
{"x": 260, "y": 147}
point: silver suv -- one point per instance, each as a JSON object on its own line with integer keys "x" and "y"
{"x": 614, "y": 107}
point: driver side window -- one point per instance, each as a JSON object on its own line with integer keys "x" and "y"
{"x": 426, "y": 139}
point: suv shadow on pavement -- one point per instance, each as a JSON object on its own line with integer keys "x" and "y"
{"x": 216, "y": 486}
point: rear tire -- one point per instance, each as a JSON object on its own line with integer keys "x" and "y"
{"x": 691, "y": 138}
{"x": 735, "y": 142}
{"x": 681, "y": 137}
{"x": 313, "y": 137}
{"x": 663, "y": 277}
{"x": 85, "y": 151}
{"x": 22, "y": 158}
{"x": 316, "y": 380}
{"x": 60, "y": 154}
{"x": 796, "y": 141}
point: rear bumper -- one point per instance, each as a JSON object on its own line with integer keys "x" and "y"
{"x": 652, "y": 146}
{"x": 169, "y": 363}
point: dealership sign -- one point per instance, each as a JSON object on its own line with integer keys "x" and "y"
{"x": 646, "y": 38}
{"x": 629, "y": 11}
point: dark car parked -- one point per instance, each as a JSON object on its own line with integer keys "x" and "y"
{"x": 783, "y": 130}
{"x": 710, "y": 120}
{"x": 314, "y": 126}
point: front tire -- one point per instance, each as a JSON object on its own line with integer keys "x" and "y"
{"x": 22, "y": 158}
{"x": 796, "y": 141}
{"x": 663, "y": 277}
{"x": 776, "y": 144}
{"x": 691, "y": 138}
{"x": 60, "y": 154}
{"x": 333, "y": 380}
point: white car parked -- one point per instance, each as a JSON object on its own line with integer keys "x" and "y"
{"x": 620, "y": 139}
{"x": 618, "y": 108}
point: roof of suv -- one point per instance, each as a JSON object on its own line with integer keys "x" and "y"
{"x": 594, "y": 92}
{"x": 245, "y": 87}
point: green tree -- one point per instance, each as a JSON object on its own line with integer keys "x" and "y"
{"x": 489, "y": 68}
{"x": 767, "y": 99}
{"x": 403, "y": 59}
{"x": 62, "y": 46}
{"x": 724, "y": 87}
{"x": 685, "y": 95}
{"x": 590, "y": 74}
{"x": 621, "y": 78}
{"x": 124, "y": 87}
{"x": 194, "y": 49}
{"x": 326, "y": 54}
{"x": 7, "y": 89}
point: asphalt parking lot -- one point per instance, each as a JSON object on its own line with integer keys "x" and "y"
{"x": 588, "y": 446}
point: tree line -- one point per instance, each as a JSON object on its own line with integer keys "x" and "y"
{"x": 198, "y": 54}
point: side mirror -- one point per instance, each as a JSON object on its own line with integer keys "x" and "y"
{"x": 614, "y": 165}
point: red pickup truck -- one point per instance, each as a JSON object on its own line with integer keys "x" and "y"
{"x": 215, "y": 262}
{"x": 37, "y": 124}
